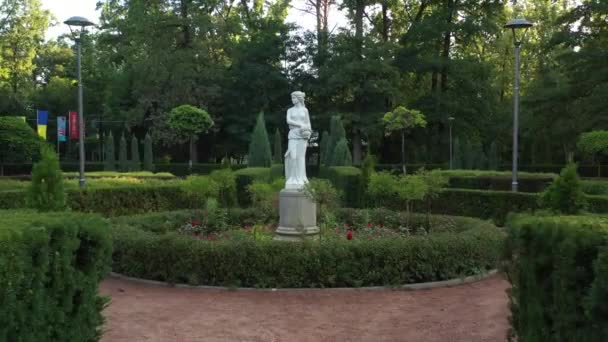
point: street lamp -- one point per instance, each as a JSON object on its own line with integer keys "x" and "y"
{"x": 450, "y": 120}
{"x": 78, "y": 26}
{"x": 519, "y": 28}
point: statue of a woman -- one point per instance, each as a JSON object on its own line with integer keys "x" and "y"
{"x": 299, "y": 133}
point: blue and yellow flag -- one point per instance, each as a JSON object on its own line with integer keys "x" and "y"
{"x": 43, "y": 120}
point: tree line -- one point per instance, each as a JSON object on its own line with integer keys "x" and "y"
{"x": 237, "y": 59}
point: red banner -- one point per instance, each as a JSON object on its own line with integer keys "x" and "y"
{"x": 74, "y": 125}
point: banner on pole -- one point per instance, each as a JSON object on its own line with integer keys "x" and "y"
{"x": 74, "y": 125}
{"x": 61, "y": 129}
{"x": 43, "y": 120}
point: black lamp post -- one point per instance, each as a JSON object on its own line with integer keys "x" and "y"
{"x": 78, "y": 27}
{"x": 519, "y": 28}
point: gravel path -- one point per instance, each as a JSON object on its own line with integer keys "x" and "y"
{"x": 467, "y": 313}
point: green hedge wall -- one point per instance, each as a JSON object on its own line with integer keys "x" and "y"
{"x": 50, "y": 268}
{"x": 141, "y": 252}
{"x": 558, "y": 267}
{"x": 115, "y": 201}
{"x": 499, "y": 183}
{"x": 347, "y": 180}
{"x": 246, "y": 176}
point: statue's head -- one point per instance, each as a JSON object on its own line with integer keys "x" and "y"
{"x": 298, "y": 97}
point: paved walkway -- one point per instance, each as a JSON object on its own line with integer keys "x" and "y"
{"x": 468, "y": 313}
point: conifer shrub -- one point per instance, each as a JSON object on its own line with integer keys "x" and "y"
{"x": 46, "y": 191}
{"x": 565, "y": 195}
{"x": 148, "y": 154}
{"x": 341, "y": 154}
{"x": 135, "y": 163}
{"x": 110, "y": 156}
{"x": 51, "y": 265}
{"x": 123, "y": 162}
{"x": 259, "y": 146}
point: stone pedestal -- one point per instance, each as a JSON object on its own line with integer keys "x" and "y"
{"x": 298, "y": 216}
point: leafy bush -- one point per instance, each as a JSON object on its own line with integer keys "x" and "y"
{"x": 18, "y": 140}
{"x": 382, "y": 189}
{"x": 565, "y": 194}
{"x": 332, "y": 263}
{"x": 226, "y": 181}
{"x": 346, "y": 179}
{"x": 200, "y": 188}
{"x": 46, "y": 192}
{"x": 264, "y": 195}
{"x": 246, "y": 176}
{"x": 595, "y": 187}
{"x": 557, "y": 269}
{"x": 50, "y": 268}
{"x": 341, "y": 154}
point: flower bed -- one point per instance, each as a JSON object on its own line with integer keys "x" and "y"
{"x": 165, "y": 247}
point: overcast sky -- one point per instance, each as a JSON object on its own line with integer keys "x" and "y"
{"x": 63, "y": 9}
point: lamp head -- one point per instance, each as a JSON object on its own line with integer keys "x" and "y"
{"x": 519, "y": 27}
{"x": 78, "y": 22}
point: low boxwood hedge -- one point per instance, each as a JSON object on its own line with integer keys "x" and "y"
{"x": 50, "y": 268}
{"x": 558, "y": 267}
{"x": 141, "y": 250}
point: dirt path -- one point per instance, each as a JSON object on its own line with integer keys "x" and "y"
{"x": 468, "y": 313}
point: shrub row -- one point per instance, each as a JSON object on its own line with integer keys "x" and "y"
{"x": 50, "y": 268}
{"x": 558, "y": 267}
{"x": 347, "y": 180}
{"x": 115, "y": 201}
{"x": 328, "y": 263}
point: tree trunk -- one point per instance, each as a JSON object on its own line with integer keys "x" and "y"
{"x": 385, "y": 22}
{"x": 451, "y": 7}
{"x": 187, "y": 39}
{"x": 193, "y": 151}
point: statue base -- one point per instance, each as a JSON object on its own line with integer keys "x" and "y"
{"x": 298, "y": 217}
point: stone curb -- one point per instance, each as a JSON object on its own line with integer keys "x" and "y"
{"x": 407, "y": 287}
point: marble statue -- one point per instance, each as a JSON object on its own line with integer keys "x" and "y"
{"x": 299, "y": 133}
{"x": 297, "y": 212}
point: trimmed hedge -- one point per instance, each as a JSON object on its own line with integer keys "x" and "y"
{"x": 559, "y": 270}
{"x": 141, "y": 252}
{"x": 114, "y": 201}
{"x": 50, "y": 268}
{"x": 347, "y": 180}
{"x": 183, "y": 169}
{"x": 246, "y": 176}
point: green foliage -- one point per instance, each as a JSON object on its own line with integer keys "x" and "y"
{"x": 402, "y": 118}
{"x": 187, "y": 122}
{"x": 46, "y": 191}
{"x": 341, "y": 154}
{"x": 226, "y": 181}
{"x": 278, "y": 148}
{"x": 264, "y": 196}
{"x": 259, "y": 146}
{"x": 382, "y": 189}
{"x": 50, "y": 269}
{"x": 148, "y": 154}
{"x": 565, "y": 194}
{"x": 347, "y": 180}
{"x": 200, "y": 188}
{"x": 323, "y": 193}
{"x": 457, "y": 156}
{"x": 367, "y": 169}
{"x": 324, "y": 147}
{"x": 246, "y": 176}
{"x": 19, "y": 142}
{"x": 135, "y": 164}
{"x": 337, "y": 135}
{"x": 327, "y": 263}
{"x": 595, "y": 142}
{"x": 493, "y": 157}
{"x": 110, "y": 155}
{"x": 123, "y": 162}
{"x": 555, "y": 265}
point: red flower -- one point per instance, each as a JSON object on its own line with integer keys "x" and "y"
{"x": 195, "y": 223}
{"x": 349, "y": 235}
{"x": 369, "y": 225}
